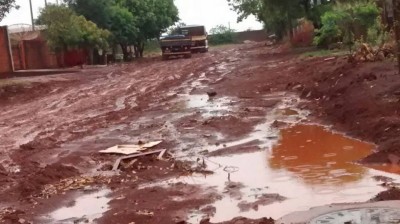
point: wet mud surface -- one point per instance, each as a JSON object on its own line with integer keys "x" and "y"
{"x": 252, "y": 133}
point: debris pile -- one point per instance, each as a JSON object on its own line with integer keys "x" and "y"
{"x": 366, "y": 53}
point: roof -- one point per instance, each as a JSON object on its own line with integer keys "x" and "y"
{"x": 192, "y": 26}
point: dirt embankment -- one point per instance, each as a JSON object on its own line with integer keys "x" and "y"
{"x": 360, "y": 99}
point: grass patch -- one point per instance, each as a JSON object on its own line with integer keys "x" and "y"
{"x": 324, "y": 53}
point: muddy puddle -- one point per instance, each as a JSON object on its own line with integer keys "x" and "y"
{"x": 296, "y": 166}
{"x": 84, "y": 209}
{"x": 309, "y": 166}
{"x": 304, "y": 167}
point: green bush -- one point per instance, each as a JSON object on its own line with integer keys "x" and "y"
{"x": 330, "y": 31}
{"x": 378, "y": 34}
{"x": 348, "y": 23}
{"x": 317, "y": 12}
{"x": 222, "y": 35}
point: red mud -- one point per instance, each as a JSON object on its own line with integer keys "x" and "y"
{"x": 53, "y": 127}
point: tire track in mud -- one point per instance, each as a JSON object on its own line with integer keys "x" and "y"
{"x": 72, "y": 112}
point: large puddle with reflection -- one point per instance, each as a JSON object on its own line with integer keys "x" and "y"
{"x": 309, "y": 166}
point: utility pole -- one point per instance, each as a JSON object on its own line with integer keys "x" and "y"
{"x": 45, "y": 3}
{"x": 33, "y": 22}
{"x": 396, "y": 27}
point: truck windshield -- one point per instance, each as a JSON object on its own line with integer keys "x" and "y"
{"x": 193, "y": 31}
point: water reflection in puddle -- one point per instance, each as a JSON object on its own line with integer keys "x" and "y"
{"x": 88, "y": 207}
{"x": 310, "y": 166}
{"x": 209, "y": 106}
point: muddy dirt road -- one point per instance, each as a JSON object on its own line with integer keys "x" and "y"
{"x": 249, "y": 131}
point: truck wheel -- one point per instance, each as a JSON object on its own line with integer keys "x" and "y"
{"x": 165, "y": 57}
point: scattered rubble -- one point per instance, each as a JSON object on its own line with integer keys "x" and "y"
{"x": 73, "y": 183}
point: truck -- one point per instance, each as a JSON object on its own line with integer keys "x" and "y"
{"x": 176, "y": 45}
{"x": 199, "y": 36}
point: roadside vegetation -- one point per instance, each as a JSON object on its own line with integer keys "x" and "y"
{"x": 65, "y": 29}
{"x": 222, "y": 35}
{"x": 357, "y": 26}
{"x": 126, "y": 26}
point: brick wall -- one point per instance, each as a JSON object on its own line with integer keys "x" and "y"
{"x": 254, "y": 35}
{"x": 5, "y": 54}
{"x": 38, "y": 55}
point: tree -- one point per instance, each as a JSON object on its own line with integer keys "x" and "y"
{"x": 175, "y": 28}
{"x": 153, "y": 18}
{"x": 6, "y": 6}
{"x": 90, "y": 36}
{"x": 347, "y": 22}
{"x": 67, "y": 30}
{"x": 278, "y": 16}
{"x": 97, "y": 11}
{"x": 123, "y": 28}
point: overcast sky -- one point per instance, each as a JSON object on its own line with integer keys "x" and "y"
{"x": 206, "y": 12}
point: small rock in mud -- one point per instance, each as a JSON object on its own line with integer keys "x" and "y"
{"x": 212, "y": 94}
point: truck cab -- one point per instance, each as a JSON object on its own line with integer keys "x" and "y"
{"x": 176, "y": 45}
{"x": 199, "y": 37}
